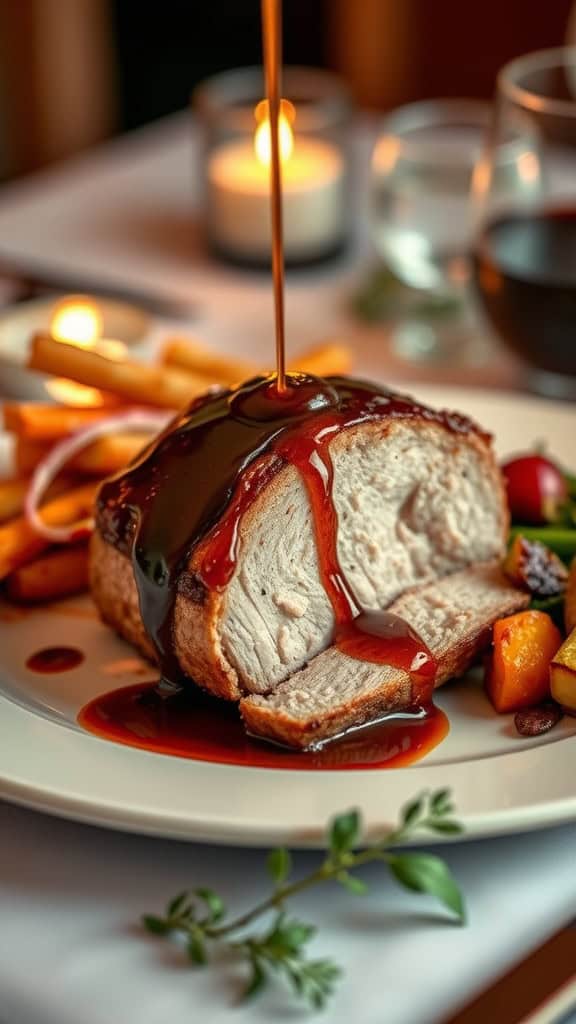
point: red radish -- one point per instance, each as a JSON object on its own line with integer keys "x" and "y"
{"x": 536, "y": 489}
{"x": 146, "y": 420}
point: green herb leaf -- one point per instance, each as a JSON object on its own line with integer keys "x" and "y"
{"x": 257, "y": 980}
{"x": 446, "y": 827}
{"x": 287, "y": 936}
{"x": 313, "y": 980}
{"x": 215, "y": 905}
{"x": 422, "y": 872}
{"x": 412, "y": 811}
{"x": 344, "y": 833}
{"x": 155, "y": 925}
{"x": 196, "y": 947}
{"x": 281, "y": 948}
{"x": 176, "y": 904}
{"x": 279, "y": 864}
{"x": 352, "y": 883}
{"x": 440, "y": 802}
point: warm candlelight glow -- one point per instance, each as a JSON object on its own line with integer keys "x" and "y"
{"x": 313, "y": 183}
{"x": 68, "y": 392}
{"x": 262, "y": 141}
{"x": 77, "y": 321}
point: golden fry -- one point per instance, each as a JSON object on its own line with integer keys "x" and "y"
{"x": 36, "y": 421}
{"x": 12, "y": 495}
{"x": 164, "y": 386}
{"x": 57, "y": 574}
{"x": 104, "y": 456}
{"x": 20, "y": 544}
{"x": 324, "y": 360}
{"x": 193, "y": 356}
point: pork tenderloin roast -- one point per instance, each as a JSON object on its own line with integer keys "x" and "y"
{"x": 421, "y": 523}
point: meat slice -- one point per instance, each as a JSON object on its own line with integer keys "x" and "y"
{"x": 453, "y": 616}
{"x": 416, "y": 500}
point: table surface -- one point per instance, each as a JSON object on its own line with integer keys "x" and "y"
{"x": 127, "y": 212}
{"x": 71, "y": 950}
{"x": 70, "y": 895}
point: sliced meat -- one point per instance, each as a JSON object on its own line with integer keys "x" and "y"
{"x": 416, "y": 501}
{"x": 453, "y": 616}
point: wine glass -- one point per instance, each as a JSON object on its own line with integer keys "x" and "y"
{"x": 421, "y": 218}
{"x": 525, "y": 194}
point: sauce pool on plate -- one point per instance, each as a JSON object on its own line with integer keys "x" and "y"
{"x": 55, "y": 659}
{"x": 191, "y": 725}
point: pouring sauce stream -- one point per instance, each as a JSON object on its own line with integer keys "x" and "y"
{"x": 177, "y": 513}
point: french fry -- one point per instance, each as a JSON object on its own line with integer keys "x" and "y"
{"x": 57, "y": 574}
{"x": 323, "y": 360}
{"x": 167, "y": 387}
{"x": 320, "y": 360}
{"x": 193, "y": 356}
{"x": 49, "y": 423}
{"x": 12, "y": 495}
{"x": 20, "y": 544}
{"x": 106, "y": 455}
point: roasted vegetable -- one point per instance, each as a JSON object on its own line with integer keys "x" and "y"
{"x": 563, "y": 674}
{"x": 570, "y": 601}
{"x": 533, "y": 567}
{"x": 519, "y": 670}
{"x": 558, "y": 538}
{"x": 537, "y": 489}
{"x": 536, "y": 721}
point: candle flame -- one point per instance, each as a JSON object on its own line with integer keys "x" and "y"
{"x": 78, "y": 321}
{"x": 262, "y": 135}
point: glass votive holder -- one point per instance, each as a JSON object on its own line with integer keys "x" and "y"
{"x": 314, "y": 138}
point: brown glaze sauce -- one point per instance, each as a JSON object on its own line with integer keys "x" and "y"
{"x": 55, "y": 659}
{"x": 191, "y": 489}
{"x": 188, "y": 493}
{"x": 192, "y": 725}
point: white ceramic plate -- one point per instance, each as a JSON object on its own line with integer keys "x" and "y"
{"x": 501, "y": 783}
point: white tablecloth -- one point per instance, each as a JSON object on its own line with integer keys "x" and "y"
{"x": 72, "y": 952}
{"x": 70, "y": 896}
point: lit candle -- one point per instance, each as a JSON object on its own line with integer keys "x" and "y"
{"x": 78, "y": 321}
{"x": 313, "y": 192}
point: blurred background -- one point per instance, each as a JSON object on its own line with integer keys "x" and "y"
{"x": 74, "y": 72}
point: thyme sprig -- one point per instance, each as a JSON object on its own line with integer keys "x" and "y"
{"x": 201, "y": 919}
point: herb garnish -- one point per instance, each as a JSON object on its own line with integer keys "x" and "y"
{"x": 199, "y": 916}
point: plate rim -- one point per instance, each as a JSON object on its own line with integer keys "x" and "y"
{"x": 153, "y": 821}
{"x": 17, "y": 785}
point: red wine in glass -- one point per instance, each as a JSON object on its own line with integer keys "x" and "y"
{"x": 524, "y": 269}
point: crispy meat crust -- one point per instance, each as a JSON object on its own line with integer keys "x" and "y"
{"x": 198, "y": 611}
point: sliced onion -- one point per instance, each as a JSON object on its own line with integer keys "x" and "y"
{"x": 60, "y": 455}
